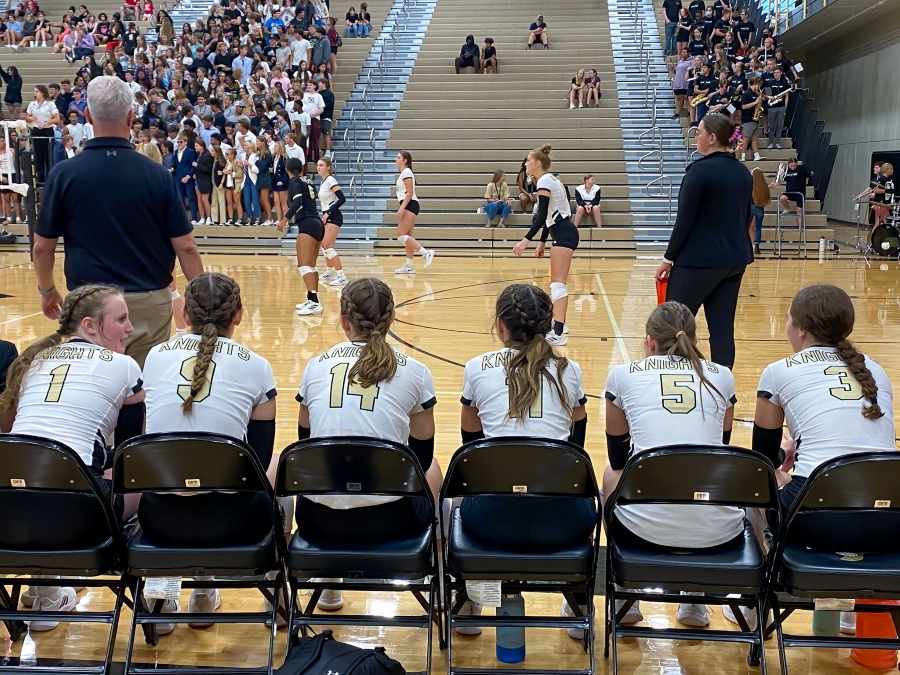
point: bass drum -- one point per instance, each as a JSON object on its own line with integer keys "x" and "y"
{"x": 886, "y": 240}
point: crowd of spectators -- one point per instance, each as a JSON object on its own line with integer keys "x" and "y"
{"x": 226, "y": 102}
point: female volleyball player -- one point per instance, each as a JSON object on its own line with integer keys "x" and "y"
{"x": 552, "y": 217}
{"x": 331, "y": 197}
{"x": 363, "y": 387}
{"x": 694, "y": 404}
{"x": 206, "y": 381}
{"x": 310, "y": 232}
{"x": 78, "y": 393}
{"x": 525, "y": 389}
{"x": 406, "y": 214}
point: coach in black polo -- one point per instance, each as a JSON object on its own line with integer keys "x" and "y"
{"x": 120, "y": 219}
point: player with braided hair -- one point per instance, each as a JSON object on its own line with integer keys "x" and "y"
{"x": 835, "y": 400}
{"x": 525, "y": 389}
{"x": 207, "y": 382}
{"x": 76, "y": 387}
{"x": 673, "y": 395}
{"x": 364, "y": 387}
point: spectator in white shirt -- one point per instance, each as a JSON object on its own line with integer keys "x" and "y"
{"x": 129, "y": 80}
{"x": 75, "y": 129}
{"x": 294, "y": 151}
{"x": 243, "y": 132}
{"x": 302, "y": 51}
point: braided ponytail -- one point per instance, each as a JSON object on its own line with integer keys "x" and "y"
{"x": 85, "y": 301}
{"x": 827, "y": 314}
{"x": 211, "y": 301}
{"x": 527, "y": 313}
{"x": 368, "y": 305}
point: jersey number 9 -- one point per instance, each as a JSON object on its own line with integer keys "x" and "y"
{"x": 187, "y": 372}
{"x": 367, "y": 395}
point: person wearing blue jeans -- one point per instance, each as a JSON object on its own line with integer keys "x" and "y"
{"x": 353, "y": 28}
{"x": 496, "y": 197}
{"x": 671, "y": 8}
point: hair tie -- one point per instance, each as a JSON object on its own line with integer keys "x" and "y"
{"x": 206, "y": 321}
{"x": 735, "y": 134}
{"x": 194, "y": 393}
{"x": 679, "y": 334}
{"x": 874, "y": 400}
{"x": 61, "y": 332}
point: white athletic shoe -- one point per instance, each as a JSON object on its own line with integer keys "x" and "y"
{"x": 15, "y": 47}
{"x": 556, "y": 340}
{"x": 169, "y": 607}
{"x": 327, "y": 275}
{"x": 565, "y": 329}
{"x": 330, "y": 600}
{"x": 633, "y": 615}
{"x": 29, "y": 595}
{"x": 571, "y": 106}
{"x": 574, "y": 633}
{"x": 310, "y": 308}
{"x": 470, "y": 609}
{"x": 209, "y": 221}
{"x": 204, "y": 603}
{"x": 195, "y": 223}
{"x": 848, "y": 623}
{"x": 339, "y": 280}
{"x": 406, "y": 269}
{"x": 748, "y": 612}
{"x": 429, "y": 257}
{"x": 696, "y": 616}
{"x": 65, "y": 603}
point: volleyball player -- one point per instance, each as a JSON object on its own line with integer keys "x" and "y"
{"x": 552, "y": 217}
{"x": 78, "y": 392}
{"x": 406, "y": 214}
{"x": 207, "y": 382}
{"x": 363, "y": 387}
{"x": 310, "y": 232}
{"x": 331, "y": 197}
{"x": 671, "y": 396}
{"x": 525, "y": 389}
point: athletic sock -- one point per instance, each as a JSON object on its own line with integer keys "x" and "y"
{"x": 410, "y": 263}
{"x": 312, "y": 296}
{"x": 558, "y": 327}
{"x": 422, "y": 251}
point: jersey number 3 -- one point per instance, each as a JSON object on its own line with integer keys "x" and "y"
{"x": 677, "y": 398}
{"x": 187, "y": 372}
{"x": 367, "y": 395}
{"x": 851, "y": 389}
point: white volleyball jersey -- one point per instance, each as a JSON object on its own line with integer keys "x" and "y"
{"x": 485, "y": 387}
{"x": 591, "y": 196}
{"x": 401, "y": 186}
{"x": 341, "y": 408}
{"x": 237, "y": 380}
{"x": 822, "y": 404}
{"x": 73, "y": 395}
{"x": 665, "y": 404}
{"x": 559, "y": 202}
{"x": 326, "y": 196}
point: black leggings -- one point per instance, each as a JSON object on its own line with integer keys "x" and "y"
{"x": 716, "y": 289}
{"x": 43, "y": 152}
{"x": 530, "y": 521}
{"x": 395, "y": 520}
{"x": 213, "y": 519}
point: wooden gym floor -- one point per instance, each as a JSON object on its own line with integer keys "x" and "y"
{"x": 444, "y": 318}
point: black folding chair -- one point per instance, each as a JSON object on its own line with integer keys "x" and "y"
{"x": 358, "y": 466}
{"x": 841, "y": 539}
{"x": 44, "y": 481}
{"x": 686, "y": 474}
{"x": 523, "y": 468}
{"x": 197, "y": 463}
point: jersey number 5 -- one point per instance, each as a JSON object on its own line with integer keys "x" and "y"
{"x": 682, "y": 398}
{"x": 367, "y": 395}
{"x": 187, "y": 372}
{"x": 851, "y": 389}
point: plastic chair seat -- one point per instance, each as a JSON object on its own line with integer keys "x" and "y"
{"x": 88, "y": 561}
{"x": 475, "y": 558}
{"x": 402, "y": 558}
{"x": 738, "y": 563}
{"x": 146, "y": 559}
{"x": 812, "y": 570}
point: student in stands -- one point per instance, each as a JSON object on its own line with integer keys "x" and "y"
{"x": 795, "y": 180}
{"x": 682, "y": 71}
{"x": 685, "y": 23}
{"x": 587, "y": 197}
{"x": 489, "y": 56}
{"x": 468, "y": 56}
{"x": 496, "y": 199}
{"x": 78, "y": 392}
{"x": 673, "y": 395}
{"x": 406, "y": 215}
{"x": 363, "y": 387}
{"x": 208, "y": 382}
{"x": 761, "y": 198}
{"x": 537, "y": 32}
{"x": 527, "y": 189}
{"x": 525, "y": 389}
{"x": 593, "y": 88}
{"x": 577, "y": 89}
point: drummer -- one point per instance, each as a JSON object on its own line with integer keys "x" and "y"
{"x": 883, "y": 194}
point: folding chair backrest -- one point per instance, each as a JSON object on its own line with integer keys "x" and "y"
{"x": 518, "y": 465}
{"x": 349, "y": 465}
{"x": 49, "y": 499}
{"x": 851, "y": 503}
{"x": 196, "y": 462}
{"x": 689, "y": 474}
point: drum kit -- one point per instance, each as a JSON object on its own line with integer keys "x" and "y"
{"x": 884, "y": 240}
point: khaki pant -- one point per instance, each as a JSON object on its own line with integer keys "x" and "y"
{"x": 218, "y": 212}
{"x": 150, "y": 313}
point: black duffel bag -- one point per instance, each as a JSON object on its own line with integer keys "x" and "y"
{"x": 323, "y": 655}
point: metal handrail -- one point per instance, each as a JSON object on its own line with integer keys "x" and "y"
{"x": 365, "y": 97}
{"x": 372, "y": 143}
{"x": 662, "y": 180}
{"x": 361, "y": 167}
{"x": 381, "y": 68}
{"x": 347, "y": 146}
{"x": 688, "y": 155}
{"x": 352, "y": 120}
{"x": 354, "y": 196}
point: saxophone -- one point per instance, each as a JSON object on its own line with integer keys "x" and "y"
{"x": 782, "y": 170}
{"x": 697, "y": 100}
{"x": 757, "y": 111}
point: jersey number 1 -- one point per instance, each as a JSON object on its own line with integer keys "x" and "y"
{"x": 367, "y": 395}
{"x": 57, "y": 380}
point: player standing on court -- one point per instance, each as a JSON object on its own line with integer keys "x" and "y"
{"x": 331, "y": 197}
{"x": 406, "y": 215}
{"x": 310, "y": 232}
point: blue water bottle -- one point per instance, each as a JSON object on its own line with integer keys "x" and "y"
{"x": 511, "y": 641}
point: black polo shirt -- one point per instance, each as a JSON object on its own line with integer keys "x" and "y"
{"x": 117, "y": 212}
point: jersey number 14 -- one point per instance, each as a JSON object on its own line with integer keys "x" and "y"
{"x": 339, "y": 384}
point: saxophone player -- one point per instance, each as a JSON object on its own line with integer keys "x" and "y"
{"x": 751, "y": 110}
{"x": 778, "y": 102}
{"x": 704, "y": 85}
{"x": 795, "y": 179}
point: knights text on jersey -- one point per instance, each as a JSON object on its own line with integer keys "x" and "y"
{"x": 822, "y": 404}
{"x": 237, "y": 381}
{"x": 485, "y": 387}
{"x": 559, "y": 203}
{"x": 665, "y": 403}
{"x": 73, "y": 395}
